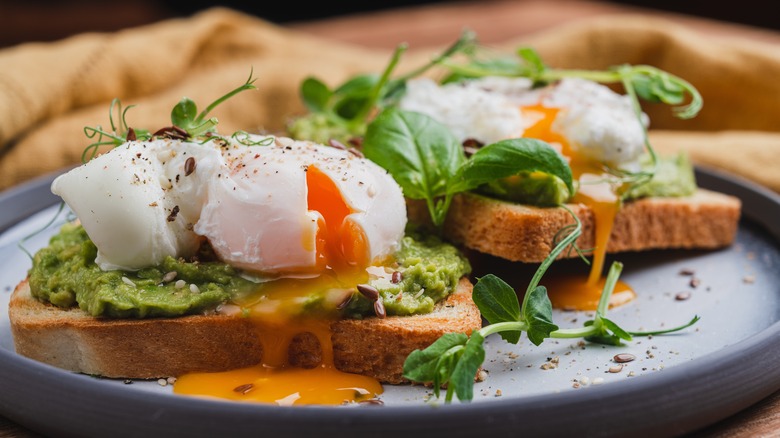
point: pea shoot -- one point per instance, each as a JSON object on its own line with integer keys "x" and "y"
{"x": 454, "y": 359}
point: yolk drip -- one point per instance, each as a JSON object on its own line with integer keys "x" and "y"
{"x": 340, "y": 243}
{"x": 572, "y": 291}
{"x": 276, "y": 381}
{"x": 342, "y": 253}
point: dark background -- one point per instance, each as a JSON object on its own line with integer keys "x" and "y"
{"x": 48, "y": 20}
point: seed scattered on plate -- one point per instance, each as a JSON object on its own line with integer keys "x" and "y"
{"x": 624, "y": 357}
{"x": 682, "y": 296}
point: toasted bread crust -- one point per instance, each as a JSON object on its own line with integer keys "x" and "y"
{"x": 163, "y": 347}
{"x": 523, "y": 233}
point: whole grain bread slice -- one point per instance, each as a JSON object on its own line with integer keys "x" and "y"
{"x": 522, "y": 233}
{"x": 163, "y": 347}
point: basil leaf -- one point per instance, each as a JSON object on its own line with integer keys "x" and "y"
{"x": 497, "y": 302}
{"x": 462, "y": 377}
{"x": 538, "y": 315}
{"x": 422, "y": 365}
{"x": 420, "y": 153}
{"x": 512, "y": 157}
{"x": 315, "y": 94}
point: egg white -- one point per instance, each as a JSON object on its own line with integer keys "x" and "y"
{"x": 139, "y": 204}
{"x": 597, "y": 122}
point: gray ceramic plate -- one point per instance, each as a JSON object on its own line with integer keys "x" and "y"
{"x": 679, "y": 383}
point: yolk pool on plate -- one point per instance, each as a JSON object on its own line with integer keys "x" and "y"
{"x": 343, "y": 258}
{"x": 276, "y": 381}
{"x": 575, "y": 292}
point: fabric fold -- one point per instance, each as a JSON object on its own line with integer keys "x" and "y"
{"x": 50, "y": 91}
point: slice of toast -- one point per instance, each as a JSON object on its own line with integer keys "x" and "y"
{"x": 163, "y": 347}
{"x": 522, "y": 233}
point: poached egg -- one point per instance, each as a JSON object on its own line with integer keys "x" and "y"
{"x": 295, "y": 214}
{"x": 594, "y": 121}
{"x": 287, "y": 208}
{"x": 592, "y": 126}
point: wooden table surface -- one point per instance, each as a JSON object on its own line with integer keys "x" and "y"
{"x": 496, "y": 21}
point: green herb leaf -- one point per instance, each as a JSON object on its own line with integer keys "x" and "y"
{"x": 512, "y": 157}
{"x": 184, "y": 113}
{"x": 422, "y": 365}
{"x": 615, "y": 329}
{"x": 538, "y": 315}
{"x": 532, "y": 61}
{"x": 421, "y": 154}
{"x": 462, "y": 377}
{"x": 315, "y": 94}
{"x": 497, "y": 302}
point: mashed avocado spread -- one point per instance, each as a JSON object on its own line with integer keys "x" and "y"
{"x": 65, "y": 274}
{"x": 673, "y": 177}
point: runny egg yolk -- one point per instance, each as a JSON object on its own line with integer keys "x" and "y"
{"x": 342, "y": 254}
{"x": 576, "y": 292}
{"x": 340, "y": 244}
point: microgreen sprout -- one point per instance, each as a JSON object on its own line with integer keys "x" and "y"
{"x": 342, "y": 113}
{"x": 453, "y": 360}
{"x": 187, "y": 123}
{"x": 639, "y": 82}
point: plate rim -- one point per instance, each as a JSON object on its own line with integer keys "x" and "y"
{"x": 724, "y": 385}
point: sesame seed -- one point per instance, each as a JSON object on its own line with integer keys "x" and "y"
{"x": 128, "y": 281}
{"x": 180, "y": 284}
{"x": 194, "y": 288}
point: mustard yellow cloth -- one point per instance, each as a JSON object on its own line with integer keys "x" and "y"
{"x": 50, "y": 91}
